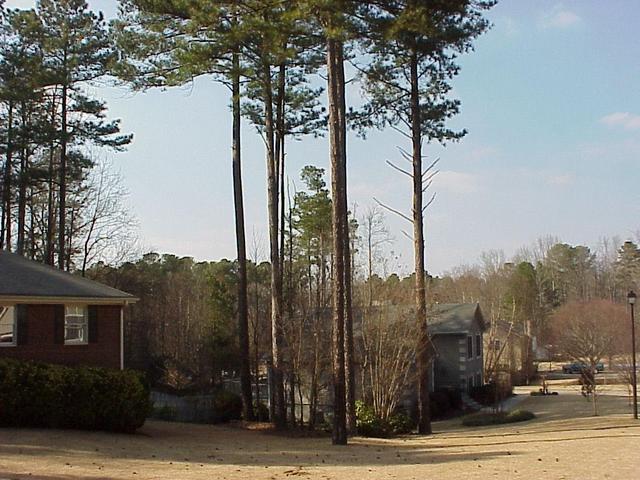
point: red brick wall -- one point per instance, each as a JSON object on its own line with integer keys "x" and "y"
{"x": 40, "y": 345}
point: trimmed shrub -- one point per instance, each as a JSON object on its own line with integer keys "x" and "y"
{"x": 400, "y": 424}
{"x": 165, "y": 413}
{"x": 368, "y": 424}
{"x": 54, "y": 396}
{"x": 227, "y": 406}
{"x": 444, "y": 403}
{"x": 261, "y": 411}
{"x": 483, "y": 419}
{"x": 490, "y": 393}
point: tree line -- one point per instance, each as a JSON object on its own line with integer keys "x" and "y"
{"x": 61, "y": 203}
{"x": 188, "y": 313}
{"x": 272, "y": 56}
{"x": 268, "y": 51}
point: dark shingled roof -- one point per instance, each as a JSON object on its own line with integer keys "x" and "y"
{"x": 442, "y": 318}
{"x": 21, "y": 277}
{"x": 453, "y": 317}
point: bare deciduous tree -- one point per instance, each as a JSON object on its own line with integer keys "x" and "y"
{"x": 107, "y": 230}
{"x": 585, "y": 332}
{"x": 389, "y": 351}
{"x": 375, "y": 235}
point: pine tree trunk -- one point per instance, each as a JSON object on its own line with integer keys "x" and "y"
{"x": 422, "y": 354}
{"x": 32, "y": 227}
{"x": 292, "y": 395}
{"x": 280, "y": 157}
{"x": 243, "y": 308}
{"x": 350, "y": 387}
{"x": 339, "y": 433}
{"x": 6, "y": 190}
{"x": 279, "y": 410}
{"x": 22, "y": 202}
{"x": 51, "y": 216}
{"x": 62, "y": 179}
{"x": 49, "y": 249}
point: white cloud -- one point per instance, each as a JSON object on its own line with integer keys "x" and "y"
{"x": 456, "y": 182}
{"x": 626, "y": 120}
{"x": 560, "y": 180}
{"x": 482, "y": 152}
{"x": 510, "y": 26}
{"x": 560, "y": 17}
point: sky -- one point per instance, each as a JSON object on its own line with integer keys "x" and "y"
{"x": 551, "y": 100}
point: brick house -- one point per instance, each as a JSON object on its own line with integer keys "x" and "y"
{"x": 53, "y": 316}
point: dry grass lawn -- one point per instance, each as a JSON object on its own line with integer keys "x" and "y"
{"x": 564, "y": 442}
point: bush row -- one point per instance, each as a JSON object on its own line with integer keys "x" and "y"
{"x": 482, "y": 419}
{"x": 490, "y": 393}
{"x": 369, "y": 424}
{"x": 444, "y": 403}
{"x": 53, "y": 396}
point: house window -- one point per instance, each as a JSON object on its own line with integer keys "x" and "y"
{"x": 469, "y": 347}
{"x": 478, "y": 345}
{"x": 8, "y": 326}
{"x": 76, "y": 325}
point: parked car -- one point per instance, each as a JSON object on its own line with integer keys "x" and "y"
{"x": 579, "y": 367}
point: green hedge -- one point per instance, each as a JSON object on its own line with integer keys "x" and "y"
{"x": 53, "y": 396}
{"x": 369, "y": 424}
{"x": 444, "y": 403}
{"x": 482, "y": 419}
{"x": 227, "y": 406}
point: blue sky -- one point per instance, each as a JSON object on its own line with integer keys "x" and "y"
{"x": 551, "y": 100}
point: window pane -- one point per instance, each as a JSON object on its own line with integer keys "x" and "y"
{"x": 7, "y": 325}
{"x": 469, "y": 347}
{"x": 75, "y": 310}
{"x": 75, "y": 324}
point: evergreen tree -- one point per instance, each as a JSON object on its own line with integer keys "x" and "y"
{"x": 414, "y": 45}
{"x": 77, "y": 50}
{"x": 627, "y": 268}
{"x": 170, "y": 43}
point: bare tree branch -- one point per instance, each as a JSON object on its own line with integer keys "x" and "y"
{"x": 397, "y": 212}
{"x": 399, "y": 169}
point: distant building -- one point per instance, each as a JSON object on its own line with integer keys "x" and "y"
{"x": 456, "y": 332}
{"x": 510, "y": 352}
{"x": 48, "y": 315}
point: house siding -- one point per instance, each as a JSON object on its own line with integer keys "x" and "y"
{"x": 447, "y": 364}
{"x": 453, "y": 368}
{"x": 40, "y": 345}
{"x": 474, "y": 364}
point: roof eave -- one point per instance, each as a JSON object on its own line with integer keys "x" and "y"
{"x": 44, "y": 300}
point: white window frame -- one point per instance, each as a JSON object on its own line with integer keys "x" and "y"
{"x": 14, "y": 341}
{"x": 84, "y": 324}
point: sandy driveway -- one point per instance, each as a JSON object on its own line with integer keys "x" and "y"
{"x": 563, "y": 443}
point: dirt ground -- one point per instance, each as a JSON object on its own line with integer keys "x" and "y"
{"x": 564, "y": 442}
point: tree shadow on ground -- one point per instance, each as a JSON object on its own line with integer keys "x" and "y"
{"x": 163, "y": 443}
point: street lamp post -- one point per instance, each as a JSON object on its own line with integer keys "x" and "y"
{"x": 631, "y": 297}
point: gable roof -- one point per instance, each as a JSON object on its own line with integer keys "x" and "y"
{"x": 24, "y": 280}
{"x": 443, "y": 318}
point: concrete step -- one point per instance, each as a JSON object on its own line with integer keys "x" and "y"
{"x": 469, "y": 403}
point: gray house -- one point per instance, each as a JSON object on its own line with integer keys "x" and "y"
{"x": 456, "y": 331}
{"x": 456, "y": 335}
